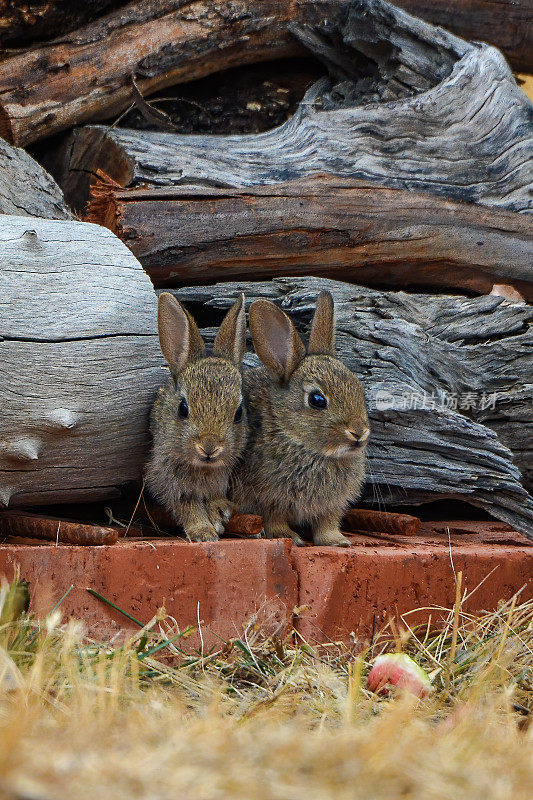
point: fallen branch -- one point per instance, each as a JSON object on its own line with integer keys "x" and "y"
{"x": 359, "y": 519}
{"x": 87, "y": 74}
{"x": 52, "y": 529}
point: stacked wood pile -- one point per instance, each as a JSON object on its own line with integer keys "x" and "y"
{"x": 407, "y": 166}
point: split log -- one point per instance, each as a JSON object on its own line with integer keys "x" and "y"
{"x": 507, "y": 24}
{"x": 448, "y": 383}
{"x": 79, "y": 362}
{"x": 87, "y": 74}
{"x": 317, "y": 226}
{"x": 409, "y": 106}
{"x": 26, "y": 188}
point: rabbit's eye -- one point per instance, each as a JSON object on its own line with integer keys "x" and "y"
{"x": 238, "y": 414}
{"x": 183, "y": 409}
{"x": 317, "y": 400}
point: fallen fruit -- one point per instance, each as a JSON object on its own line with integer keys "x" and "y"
{"x": 398, "y": 669}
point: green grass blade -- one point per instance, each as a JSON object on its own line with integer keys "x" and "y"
{"x": 117, "y": 608}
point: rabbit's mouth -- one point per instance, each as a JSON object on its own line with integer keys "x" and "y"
{"x": 345, "y": 451}
{"x": 209, "y": 462}
{"x": 209, "y": 454}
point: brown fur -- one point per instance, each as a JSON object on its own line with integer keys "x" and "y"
{"x": 177, "y": 474}
{"x": 301, "y": 468}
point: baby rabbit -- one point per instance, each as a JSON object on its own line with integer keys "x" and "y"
{"x": 305, "y": 460}
{"x": 198, "y": 420}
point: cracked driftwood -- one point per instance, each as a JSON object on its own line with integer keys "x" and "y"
{"x": 438, "y": 349}
{"x": 408, "y": 106}
{"x": 26, "y": 188}
{"x": 325, "y": 226}
{"x": 79, "y": 361}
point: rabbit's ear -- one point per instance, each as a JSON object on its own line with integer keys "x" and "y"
{"x": 322, "y": 336}
{"x": 179, "y": 336}
{"x": 230, "y": 341}
{"x": 276, "y": 341}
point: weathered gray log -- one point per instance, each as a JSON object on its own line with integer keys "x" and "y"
{"x": 415, "y": 108}
{"x": 26, "y": 188}
{"x": 79, "y": 361}
{"x": 417, "y": 356}
{"x": 325, "y": 226}
{"x": 507, "y": 24}
{"x": 87, "y": 74}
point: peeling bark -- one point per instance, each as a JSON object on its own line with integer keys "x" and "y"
{"x": 87, "y": 74}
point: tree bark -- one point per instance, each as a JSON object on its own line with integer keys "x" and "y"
{"x": 79, "y": 362}
{"x": 23, "y": 22}
{"x": 409, "y": 106}
{"x": 26, "y": 188}
{"x": 87, "y": 75}
{"x": 507, "y": 24}
{"x": 418, "y": 356}
{"x": 324, "y": 226}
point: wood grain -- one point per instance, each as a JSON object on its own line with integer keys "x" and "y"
{"x": 416, "y": 354}
{"x": 507, "y": 24}
{"x": 408, "y": 106}
{"x": 26, "y": 188}
{"x": 79, "y": 362}
{"x": 87, "y": 74}
{"x": 321, "y": 225}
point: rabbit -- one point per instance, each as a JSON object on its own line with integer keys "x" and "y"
{"x": 198, "y": 421}
{"x": 305, "y": 459}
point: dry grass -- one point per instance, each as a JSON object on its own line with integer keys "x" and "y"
{"x": 262, "y": 718}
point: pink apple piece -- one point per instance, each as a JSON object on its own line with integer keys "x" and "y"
{"x": 398, "y": 669}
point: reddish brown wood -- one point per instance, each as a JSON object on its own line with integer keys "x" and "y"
{"x": 54, "y": 529}
{"x": 358, "y": 519}
{"x": 245, "y": 525}
{"x": 321, "y": 225}
{"x": 87, "y": 74}
{"x": 23, "y": 22}
{"x": 239, "y": 524}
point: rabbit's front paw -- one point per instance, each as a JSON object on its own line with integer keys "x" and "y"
{"x": 219, "y": 511}
{"x": 283, "y": 532}
{"x": 202, "y": 533}
{"x": 331, "y": 538}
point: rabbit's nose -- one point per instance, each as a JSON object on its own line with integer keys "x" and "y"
{"x": 358, "y": 439}
{"x": 208, "y": 451}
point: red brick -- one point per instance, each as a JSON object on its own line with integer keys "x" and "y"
{"x": 230, "y": 580}
{"x": 348, "y": 589}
